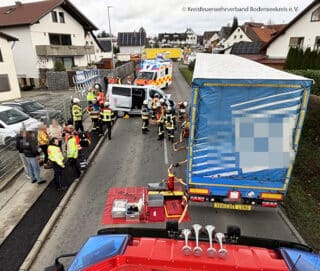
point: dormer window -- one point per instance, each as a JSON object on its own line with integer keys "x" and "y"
{"x": 10, "y": 10}
{"x": 315, "y": 16}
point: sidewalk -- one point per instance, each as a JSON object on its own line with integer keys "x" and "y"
{"x": 19, "y": 195}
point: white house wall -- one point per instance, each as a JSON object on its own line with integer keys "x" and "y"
{"x": 24, "y": 54}
{"x": 302, "y": 28}
{"x": 232, "y": 39}
{"x": 98, "y": 55}
{"x": 40, "y": 36}
{"x": 40, "y": 32}
{"x": 8, "y": 67}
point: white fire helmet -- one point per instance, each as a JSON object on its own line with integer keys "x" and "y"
{"x": 145, "y": 102}
{"x": 162, "y": 100}
{"x": 76, "y": 100}
{"x": 185, "y": 104}
{"x": 106, "y": 103}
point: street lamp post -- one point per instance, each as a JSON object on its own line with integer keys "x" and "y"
{"x": 110, "y": 36}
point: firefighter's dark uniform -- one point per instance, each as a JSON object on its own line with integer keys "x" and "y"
{"x": 107, "y": 117}
{"x": 145, "y": 118}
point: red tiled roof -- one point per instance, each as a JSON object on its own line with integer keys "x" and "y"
{"x": 264, "y": 34}
{"x": 30, "y": 13}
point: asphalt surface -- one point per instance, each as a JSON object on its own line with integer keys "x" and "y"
{"x": 135, "y": 159}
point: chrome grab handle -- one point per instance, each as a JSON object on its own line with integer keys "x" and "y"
{"x": 186, "y": 249}
{"x": 211, "y": 251}
{"x": 197, "y": 251}
{"x": 222, "y": 252}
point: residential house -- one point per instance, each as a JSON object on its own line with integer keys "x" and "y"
{"x": 98, "y": 52}
{"x": 303, "y": 31}
{"x": 172, "y": 39}
{"x": 210, "y": 39}
{"x": 250, "y": 32}
{"x": 9, "y": 87}
{"x": 188, "y": 38}
{"x": 48, "y": 31}
{"x": 132, "y": 42}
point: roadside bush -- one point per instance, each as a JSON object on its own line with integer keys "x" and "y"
{"x": 312, "y": 74}
{"x": 191, "y": 65}
{"x": 59, "y": 67}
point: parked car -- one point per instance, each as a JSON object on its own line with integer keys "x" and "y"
{"x": 36, "y": 110}
{"x": 12, "y": 121}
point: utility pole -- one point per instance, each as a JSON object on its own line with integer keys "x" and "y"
{"x": 110, "y": 36}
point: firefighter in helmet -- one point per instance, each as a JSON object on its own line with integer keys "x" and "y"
{"x": 169, "y": 124}
{"x": 94, "y": 113}
{"x": 107, "y": 117}
{"x": 154, "y": 105}
{"x": 145, "y": 116}
{"x": 76, "y": 111}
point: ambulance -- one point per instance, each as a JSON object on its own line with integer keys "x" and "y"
{"x": 156, "y": 72}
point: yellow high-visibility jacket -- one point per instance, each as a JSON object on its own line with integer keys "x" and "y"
{"x": 90, "y": 96}
{"x": 55, "y": 155}
{"x": 76, "y": 112}
{"x": 72, "y": 148}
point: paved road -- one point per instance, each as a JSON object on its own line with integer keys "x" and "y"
{"x": 134, "y": 159}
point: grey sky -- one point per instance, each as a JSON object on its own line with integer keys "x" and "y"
{"x": 177, "y": 15}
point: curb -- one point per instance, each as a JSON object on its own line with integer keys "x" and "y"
{"x": 10, "y": 178}
{"x": 57, "y": 212}
{"x": 291, "y": 227}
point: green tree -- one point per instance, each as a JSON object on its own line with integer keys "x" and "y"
{"x": 234, "y": 24}
{"x": 289, "y": 59}
{"x": 103, "y": 34}
{"x": 306, "y": 61}
{"x": 191, "y": 65}
{"x": 156, "y": 44}
{"x": 58, "y": 66}
{"x": 317, "y": 64}
{"x": 313, "y": 60}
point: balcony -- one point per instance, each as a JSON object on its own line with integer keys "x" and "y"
{"x": 63, "y": 50}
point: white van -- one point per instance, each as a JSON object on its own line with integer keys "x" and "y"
{"x": 11, "y": 121}
{"x": 129, "y": 98}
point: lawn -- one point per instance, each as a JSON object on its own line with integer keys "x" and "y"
{"x": 302, "y": 203}
{"x": 187, "y": 74}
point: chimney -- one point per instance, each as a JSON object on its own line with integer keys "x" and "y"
{"x": 18, "y": 3}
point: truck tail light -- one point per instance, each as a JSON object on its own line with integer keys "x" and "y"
{"x": 197, "y": 199}
{"x": 270, "y": 204}
{"x": 271, "y": 196}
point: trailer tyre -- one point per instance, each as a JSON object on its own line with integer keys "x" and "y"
{"x": 120, "y": 114}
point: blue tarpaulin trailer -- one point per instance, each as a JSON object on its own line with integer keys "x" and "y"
{"x": 246, "y": 121}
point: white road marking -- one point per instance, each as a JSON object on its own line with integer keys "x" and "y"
{"x": 165, "y": 152}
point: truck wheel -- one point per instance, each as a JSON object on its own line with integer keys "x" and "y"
{"x": 120, "y": 114}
